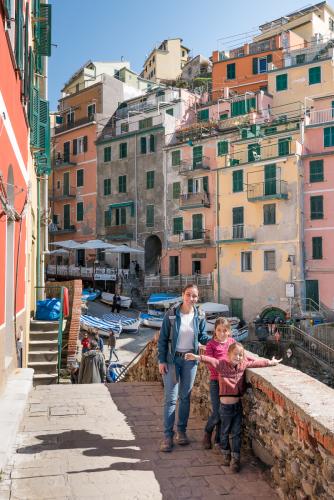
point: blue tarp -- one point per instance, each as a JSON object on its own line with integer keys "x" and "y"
{"x": 160, "y": 297}
{"x": 48, "y": 310}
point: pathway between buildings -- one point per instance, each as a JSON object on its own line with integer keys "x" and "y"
{"x": 101, "y": 442}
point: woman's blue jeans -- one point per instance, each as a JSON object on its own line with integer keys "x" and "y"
{"x": 214, "y": 418}
{"x": 178, "y": 383}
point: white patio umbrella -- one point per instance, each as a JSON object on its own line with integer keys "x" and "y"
{"x": 59, "y": 251}
{"x": 96, "y": 245}
{"x": 124, "y": 249}
{"x": 69, "y": 244}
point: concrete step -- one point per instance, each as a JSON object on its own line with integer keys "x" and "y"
{"x": 41, "y": 345}
{"x": 43, "y": 367}
{"x": 43, "y": 326}
{"x": 43, "y": 356}
{"x": 43, "y": 335}
{"x": 45, "y": 378}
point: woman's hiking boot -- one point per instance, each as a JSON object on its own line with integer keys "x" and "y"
{"x": 235, "y": 463}
{"x": 166, "y": 444}
{"x": 182, "y": 439}
{"x": 207, "y": 445}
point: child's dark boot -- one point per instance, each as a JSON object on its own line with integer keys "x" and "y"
{"x": 207, "y": 441}
{"x": 226, "y": 454}
{"x": 235, "y": 462}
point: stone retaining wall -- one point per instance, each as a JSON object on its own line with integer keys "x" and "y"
{"x": 289, "y": 422}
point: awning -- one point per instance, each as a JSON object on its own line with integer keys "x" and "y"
{"x": 130, "y": 204}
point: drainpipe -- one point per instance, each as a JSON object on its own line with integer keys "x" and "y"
{"x": 136, "y": 191}
{"x": 38, "y": 240}
{"x": 217, "y": 242}
{"x": 300, "y": 268}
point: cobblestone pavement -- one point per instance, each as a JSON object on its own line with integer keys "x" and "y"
{"x": 102, "y": 442}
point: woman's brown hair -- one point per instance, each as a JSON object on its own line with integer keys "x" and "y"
{"x": 191, "y": 285}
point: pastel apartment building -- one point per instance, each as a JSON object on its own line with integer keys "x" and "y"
{"x": 165, "y": 62}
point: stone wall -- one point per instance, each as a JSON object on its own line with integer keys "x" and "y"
{"x": 288, "y": 422}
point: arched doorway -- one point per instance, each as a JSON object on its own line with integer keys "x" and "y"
{"x": 153, "y": 248}
{"x": 271, "y": 313}
{"x": 9, "y": 287}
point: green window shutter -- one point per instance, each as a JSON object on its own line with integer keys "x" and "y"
{"x": 250, "y": 104}
{"x": 170, "y": 112}
{"x": 123, "y": 150}
{"x": 223, "y": 116}
{"x": 176, "y": 190}
{"x": 206, "y": 184}
{"x": 107, "y": 218}
{"x": 190, "y": 186}
{"x": 177, "y": 225}
{"x": 122, "y": 184}
{"x": 284, "y": 146}
{"x": 152, "y": 143}
{"x": 281, "y": 82}
{"x": 222, "y": 148}
{"x": 317, "y": 207}
{"x": 317, "y": 247}
{"x": 269, "y": 58}
{"x": 203, "y": 115}
{"x": 19, "y": 34}
{"x": 34, "y": 116}
{"x": 238, "y": 215}
{"x": 197, "y": 156}
{"x": 85, "y": 143}
{"x": 328, "y": 137}
{"x": 176, "y": 158}
{"x": 43, "y": 155}
{"x": 150, "y": 179}
{"x": 146, "y": 123}
{"x": 8, "y": 9}
{"x": 314, "y": 75}
{"x": 31, "y": 84}
{"x": 316, "y": 171}
{"x": 80, "y": 177}
{"x": 123, "y": 216}
{"x": 26, "y": 55}
{"x": 143, "y": 149}
{"x": 75, "y": 147}
{"x": 269, "y": 214}
{"x": 80, "y": 211}
{"x": 238, "y": 181}
{"x": 107, "y": 187}
{"x": 254, "y": 150}
{"x": 150, "y": 215}
{"x": 43, "y": 31}
{"x": 230, "y": 71}
{"x": 107, "y": 154}
{"x": 238, "y": 108}
{"x": 255, "y": 65}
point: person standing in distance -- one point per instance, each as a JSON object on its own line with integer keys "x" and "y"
{"x": 183, "y": 329}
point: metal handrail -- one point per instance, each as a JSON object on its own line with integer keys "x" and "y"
{"x": 309, "y": 343}
{"x": 131, "y": 363}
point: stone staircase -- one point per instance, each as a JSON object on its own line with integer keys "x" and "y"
{"x": 43, "y": 351}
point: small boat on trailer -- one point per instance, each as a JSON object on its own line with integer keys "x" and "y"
{"x": 92, "y": 324}
{"x": 129, "y": 325}
{"x": 107, "y": 298}
{"x": 158, "y": 304}
{"x": 88, "y": 294}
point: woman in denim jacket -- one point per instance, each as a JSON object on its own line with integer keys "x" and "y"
{"x": 183, "y": 329}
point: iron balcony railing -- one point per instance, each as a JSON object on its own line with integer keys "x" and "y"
{"x": 193, "y": 236}
{"x": 147, "y": 106}
{"x": 272, "y": 188}
{"x": 188, "y": 166}
{"x": 123, "y": 231}
{"x": 56, "y": 229}
{"x": 177, "y": 282}
{"x": 69, "y": 192}
{"x": 313, "y": 54}
{"x": 81, "y": 121}
{"x": 320, "y": 116}
{"x": 256, "y": 153}
{"x": 235, "y": 233}
{"x": 62, "y": 161}
{"x": 194, "y": 200}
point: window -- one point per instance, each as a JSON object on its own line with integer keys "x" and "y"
{"x": 254, "y": 152}
{"x": 328, "y": 137}
{"x": 284, "y": 146}
{"x": 107, "y": 187}
{"x": 281, "y": 82}
{"x": 176, "y": 158}
{"x": 80, "y": 178}
{"x": 197, "y": 156}
{"x": 176, "y": 190}
{"x": 316, "y": 170}
{"x": 122, "y": 184}
{"x": 230, "y": 71}
{"x": 203, "y": 115}
{"x": 223, "y": 116}
{"x": 66, "y": 151}
{"x": 269, "y": 214}
{"x": 120, "y": 216}
{"x": 58, "y": 184}
{"x": 70, "y": 117}
{"x": 269, "y": 260}
{"x": 177, "y": 225}
{"x": 123, "y": 150}
{"x": 317, "y": 248}
{"x": 143, "y": 146}
{"x": 170, "y": 111}
{"x": 222, "y": 148}
{"x": 145, "y": 123}
{"x": 300, "y": 58}
{"x": 150, "y": 215}
{"x": 55, "y": 219}
{"x": 107, "y": 218}
{"x": 243, "y": 106}
{"x": 80, "y": 211}
{"x": 317, "y": 207}
{"x": 152, "y": 143}
{"x": 150, "y": 179}
{"x": 80, "y": 145}
{"x": 174, "y": 265}
{"x": 91, "y": 110}
{"x": 238, "y": 181}
{"x": 246, "y": 261}
{"x": 124, "y": 127}
{"x": 107, "y": 154}
{"x": 314, "y": 75}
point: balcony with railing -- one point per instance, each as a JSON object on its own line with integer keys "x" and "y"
{"x": 76, "y": 123}
{"x": 62, "y": 161}
{"x": 189, "y": 201}
{"x": 320, "y": 116}
{"x": 314, "y": 53}
{"x": 269, "y": 190}
{"x": 195, "y": 165}
{"x": 195, "y": 237}
{"x": 121, "y": 232}
{"x": 69, "y": 192}
{"x": 55, "y": 229}
{"x": 196, "y": 130}
{"x": 235, "y": 234}
{"x": 151, "y": 104}
{"x": 258, "y": 154}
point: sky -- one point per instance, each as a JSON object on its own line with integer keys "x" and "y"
{"x": 106, "y": 30}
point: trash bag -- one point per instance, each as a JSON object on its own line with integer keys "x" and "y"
{"x": 48, "y": 310}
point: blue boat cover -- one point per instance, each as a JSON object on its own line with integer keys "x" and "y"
{"x": 101, "y": 324}
{"x": 125, "y": 320}
{"x": 160, "y": 297}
